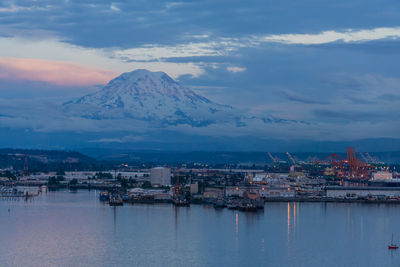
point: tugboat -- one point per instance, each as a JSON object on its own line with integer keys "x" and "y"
{"x": 392, "y": 246}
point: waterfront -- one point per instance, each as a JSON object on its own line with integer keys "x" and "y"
{"x": 64, "y": 228}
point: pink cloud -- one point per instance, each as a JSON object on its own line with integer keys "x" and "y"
{"x": 56, "y": 72}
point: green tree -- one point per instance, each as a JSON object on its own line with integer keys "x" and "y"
{"x": 124, "y": 183}
{"x": 60, "y": 172}
{"x": 52, "y": 180}
{"x": 146, "y": 185}
{"x": 9, "y": 174}
{"x": 104, "y": 175}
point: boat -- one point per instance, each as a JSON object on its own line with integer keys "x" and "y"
{"x": 126, "y": 197}
{"x": 219, "y": 203}
{"x": 116, "y": 200}
{"x": 104, "y": 196}
{"x": 180, "y": 201}
{"x": 253, "y": 199}
{"x": 259, "y": 204}
{"x": 392, "y": 246}
{"x": 247, "y": 206}
{"x": 233, "y": 204}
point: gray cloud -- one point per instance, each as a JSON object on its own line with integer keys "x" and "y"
{"x": 303, "y": 98}
{"x": 350, "y": 115}
{"x": 356, "y": 82}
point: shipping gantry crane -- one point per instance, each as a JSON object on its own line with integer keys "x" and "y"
{"x": 272, "y": 158}
{"x": 291, "y": 158}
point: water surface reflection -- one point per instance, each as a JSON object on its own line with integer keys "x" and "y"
{"x": 64, "y": 229}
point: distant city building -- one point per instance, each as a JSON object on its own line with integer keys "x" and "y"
{"x": 194, "y": 188}
{"x": 211, "y": 192}
{"x": 160, "y": 176}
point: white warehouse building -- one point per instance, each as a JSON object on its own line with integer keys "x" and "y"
{"x": 343, "y": 192}
{"x": 160, "y": 176}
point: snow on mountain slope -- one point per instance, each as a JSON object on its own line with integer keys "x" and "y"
{"x": 153, "y": 97}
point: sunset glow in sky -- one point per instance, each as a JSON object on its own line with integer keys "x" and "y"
{"x": 331, "y": 63}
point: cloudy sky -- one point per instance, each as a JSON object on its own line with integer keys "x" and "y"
{"x": 334, "y": 64}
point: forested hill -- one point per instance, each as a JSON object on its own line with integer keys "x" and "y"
{"x": 47, "y": 160}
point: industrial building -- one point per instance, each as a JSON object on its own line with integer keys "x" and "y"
{"x": 382, "y": 176}
{"x": 362, "y": 192}
{"x": 160, "y": 176}
{"x": 263, "y": 191}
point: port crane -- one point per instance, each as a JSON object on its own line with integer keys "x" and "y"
{"x": 179, "y": 199}
{"x": 291, "y": 158}
{"x": 279, "y": 160}
{"x": 372, "y": 160}
{"x": 272, "y": 158}
{"x": 363, "y": 157}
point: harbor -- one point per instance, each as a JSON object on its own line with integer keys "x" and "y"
{"x": 332, "y": 179}
{"x": 290, "y": 233}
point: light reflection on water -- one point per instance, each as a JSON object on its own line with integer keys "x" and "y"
{"x": 288, "y": 224}
{"x": 64, "y": 229}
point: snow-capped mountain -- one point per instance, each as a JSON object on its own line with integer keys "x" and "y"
{"x": 152, "y": 97}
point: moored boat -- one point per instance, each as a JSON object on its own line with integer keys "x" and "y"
{"x": 116, "y": 200}
{"x": 247, "y": 206}
{"x": 180, "y": 202}
{"x": 233, "y": 204}
{"x": 219, "y": 203}
{"x": 104, "y": 196}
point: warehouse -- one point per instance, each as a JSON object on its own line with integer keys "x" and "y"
{"x": 357, "y": 192}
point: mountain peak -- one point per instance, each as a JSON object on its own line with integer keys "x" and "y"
{"x": 149, "y": 96}
{"x": 156, "y": 99}
{"x": 142, "y": 74}
{"x": 145, "y": 82}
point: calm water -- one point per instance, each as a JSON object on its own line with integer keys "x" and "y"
{"x": 74, "y": 229}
